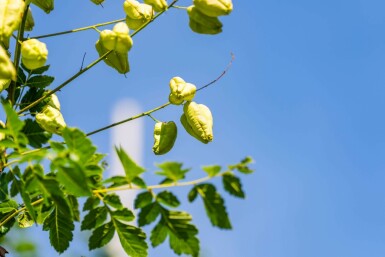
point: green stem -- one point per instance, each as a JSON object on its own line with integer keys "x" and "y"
{"x": 88, "y": 67}
{"x": 65, "y": 83}
{"x": 16, "y": 62}
{"x": 168, "y": 185}
{"x": 79, "y": 29}
{"x": 18, "y": 211}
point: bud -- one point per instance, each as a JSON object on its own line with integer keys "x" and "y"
{"x": 158, "y": 5}
{"x": 137, "y": 13}
{"x": 203, "y": 24}
{"x": 51, "y": 120}
{"x": 198, "y": 121}
{"x": 181, "y": 91}
{"x": 116, "y": 60}
{"x": 118, "y": 39}
{"x": 30, "y": 22}
{"x": 214, "y": 8}
{"x": 7, "y": 70}
{"x": 33, "y": 54}
{"x": 164, "y": 137}
{"x": 45, "y": 5}
{"x": 11, "y": 14}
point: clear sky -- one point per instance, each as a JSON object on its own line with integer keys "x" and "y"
{"x": 305, "y": 98}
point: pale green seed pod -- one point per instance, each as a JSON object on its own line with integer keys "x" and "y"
{"x": 51, "y": 120}
{"x": 181, "y": 91}
{"x": 137, "y": 13}
{"x": 46, "y": 5}
{"x": 97, "y": 2}
{"x": 2, "y": 135}
{"x": 164, "y": 137}
{"x": 33, "y": 54}
{"x": 198, "y": 121}
{"x": 115, "y": 60}
{"x": 118, "y": 39}
{"x": 203, "y": 24}
{"x": 7, "y": 70}
{"x": 53, "y": 100}
{"x": 158, "y": 5}
{"x": 11, "y": 13}
{"x": 214, "y": 8}
{"x": 30, "y": 22}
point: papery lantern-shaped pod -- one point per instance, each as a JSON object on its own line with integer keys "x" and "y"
{"x": 97, "y": 2}
{"x": 137, "y": 13}
{"x": 214, "y": 8}
{"x": 34, "y": 54}
{"x": 116, "y": 60}
{"x": 198, "y": 121}
{"x": 158, "y": 5}
{"x": 117, "y": 39}
{"x": 203, "y": 24}
{"x": 30, "y": 22}
{"x": 51, "y": 120}
{"x": 7, "y": 70}
{"x": 165, "y": 134}
{"x": 181, "y": 91}
{"x": 11, "y": 14}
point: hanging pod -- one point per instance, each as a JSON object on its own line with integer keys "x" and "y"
{"x": 214, "y": 8}
{"x": 7, "y": 70}
{"x": 51, "y": 120}
{"x": 158, "y": 5}
{"x": 203, "y": 24}
{"x": 198, "y": 121}
{"x": 34, "y": 54}
{"x": 11, "y": 14}
{"x": 181, "y": 91}
{"x": 29, "y": 22}
{"x": 117, "y": 39}
{"x": 115, "y": 60}
{"x": 46, "y": 5}
{"x": 137, "y": 13}
{"x": 164, "y": 137}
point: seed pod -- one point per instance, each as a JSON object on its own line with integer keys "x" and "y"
{"x": 198, "y": 121}
{"x": 7, "y": 70}
{"x": 181, "y": 91}
{"x": 33, "y": 54}
{"x": 11, "y": 13}
{"x": 116, "y": 60}
{"x": 30, "y": 22}
{"x": 53, "y": 101}
{"x": 137, "y": 13}
{"x": 2, "y": 135}
{"x": 46, "y": 5}
{"x": 97, "y": 2}
{"x": 118, "y": 39}
{"x": 164, "y": 137}
{"x": 203, "y": 24}
{"x": 158, "y": 5}
{"x": 4, "y": 84}
{"x": 214, "y": 8}
{"x": 51, "y": 120}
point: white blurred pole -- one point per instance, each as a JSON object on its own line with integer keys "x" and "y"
{"x": 130, "y": 137}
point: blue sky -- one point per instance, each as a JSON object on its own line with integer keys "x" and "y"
{"x": 304, "y": 98}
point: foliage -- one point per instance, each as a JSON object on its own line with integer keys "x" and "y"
{"x": 42, "y": 180}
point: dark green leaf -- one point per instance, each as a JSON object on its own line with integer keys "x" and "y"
{"x": 60, "y": 227}
{"x": 159, "y": 233}
{"x": 123, "y": 215}
{"x": 116, "y": 181}
{"x": 214, "y": 205}
{"x": 74, "y": 179}
{"x": 148, "y": 214}
{"x": 243, "y": 166}
{"x": 40, "y": 81}
{"x": 74, "y": 204}
{"x": 40, "y": 70}
{"x": 101, "y": 236}
{"x": 212, "y": 170}
{"x": 139, "y": 182}
{"x": 131, "y": 169}
{"x": 91, "y": 203}
{"x": 232, "y": 184}
{"x": 4, "y": 229}
{"x": 14, "y": 126}
{"x": 168, "y": 198}
{"x": 143, "y": 199}
{"x": 79, "y": 144}
{"x": 172, "y": 170}
{"x": 94, "y": 218}
{"x": 132, "y": 239}
{"x": 25, "y": 196}
{"x": 8, "y": 206}
{"x": 192, "y": 195}
{"x": 35, "y": 134}
{"x": 32, "y": 95}
{"x": 113, "y": 200}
